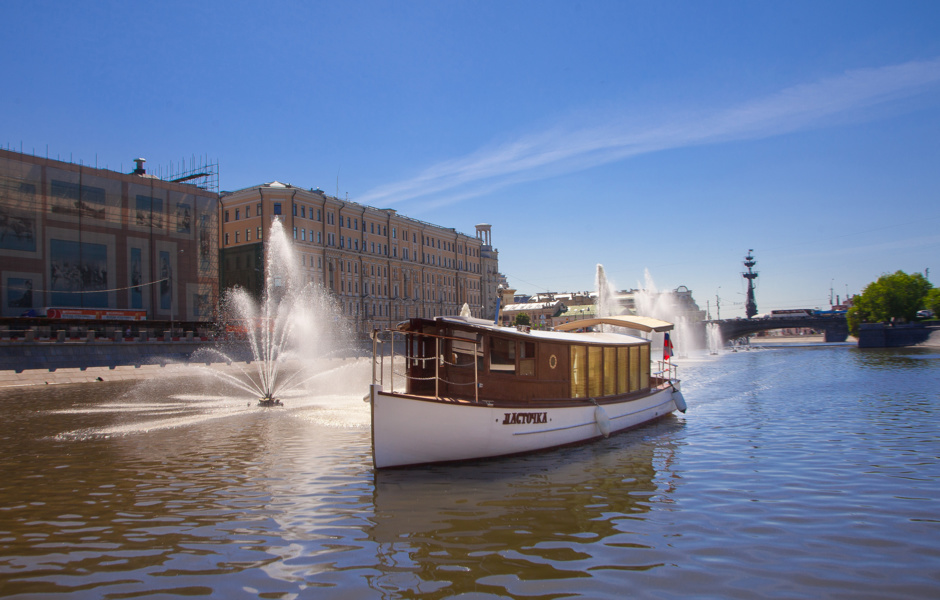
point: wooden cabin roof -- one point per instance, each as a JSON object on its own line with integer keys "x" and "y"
{"x": 471, "y": 323}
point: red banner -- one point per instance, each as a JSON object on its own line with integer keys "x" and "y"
{"x": 97, "y": 314}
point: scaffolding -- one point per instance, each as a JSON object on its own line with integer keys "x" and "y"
{"x": 196, "y": 170}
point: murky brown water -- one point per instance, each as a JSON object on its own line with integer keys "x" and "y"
{"x": 796, "y": 473}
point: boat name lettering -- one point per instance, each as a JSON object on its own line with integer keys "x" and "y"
{"x": 525, "y": 418}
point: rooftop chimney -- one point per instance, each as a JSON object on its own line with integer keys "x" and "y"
{"x": 140, "y": 170}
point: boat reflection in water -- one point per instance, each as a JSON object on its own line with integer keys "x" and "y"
{"x": 509, "y": 526}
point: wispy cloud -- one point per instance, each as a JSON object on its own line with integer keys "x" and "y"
{"x": 567, "y": 149}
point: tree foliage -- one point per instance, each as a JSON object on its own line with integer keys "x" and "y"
{"x": 932, "y": 301}
{"x": 896, "y": 296}
{"x": 522, "y": 319}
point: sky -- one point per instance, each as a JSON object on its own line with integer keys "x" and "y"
{"x": 663, "y": 140}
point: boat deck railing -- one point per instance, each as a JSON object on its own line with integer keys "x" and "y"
{"x": 384, "y": 350}
{"x": 665, "y": 371}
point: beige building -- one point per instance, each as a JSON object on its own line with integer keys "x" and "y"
{"x": 489, "y": 266}
{"x": 542, "y": 315}
{"x": 380, "y": 266}
{"x": 88, "y": 240}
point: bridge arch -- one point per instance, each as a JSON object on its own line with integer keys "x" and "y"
{"x": 836, "y": 328}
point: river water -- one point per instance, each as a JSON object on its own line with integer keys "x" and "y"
{"x": 797, "y": 472}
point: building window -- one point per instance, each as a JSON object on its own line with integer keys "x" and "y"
{"x": 258, "y": 210}
{"x": 303, "y": 235}
{"x": 248, "y": 235}
{"x": 277, "y": 208}
{"x": 294, "y": 209}
{"x": 226, "y": 216}
{"x": 237, "y": 213}
{"x": 236, "y": 237}
{"x": 259, "y": 234}
{"x": 303, "y": 212}
{"x": 226, "y": 239}
{"x": 318, "y": 214}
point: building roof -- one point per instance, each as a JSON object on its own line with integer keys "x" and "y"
{"x": 629, "y": 321}
{"x": 531, "y": 306}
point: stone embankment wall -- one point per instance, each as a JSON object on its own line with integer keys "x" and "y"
{"x": 883, "y": 335}
{"x": 29, "y": 355}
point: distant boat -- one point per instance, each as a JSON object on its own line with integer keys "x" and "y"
{"x": 471, "y": 389}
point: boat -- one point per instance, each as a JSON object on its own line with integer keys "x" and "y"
{"x": 458, "y": 388}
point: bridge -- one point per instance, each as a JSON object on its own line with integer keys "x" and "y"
{"x": 835, "y": 327}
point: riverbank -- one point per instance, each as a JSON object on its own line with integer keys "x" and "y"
{"x": 772, "y": 340}
{"x": 38, "y": 377}
{"x": 166, "y": 369}
{"x": 798, "y": 340}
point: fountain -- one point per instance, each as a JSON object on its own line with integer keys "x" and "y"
{"x": 606, "y": 302}
{"x": 650, "y": 303}
{"x": 292, "y": 325}
{"x": 713, "y": 338}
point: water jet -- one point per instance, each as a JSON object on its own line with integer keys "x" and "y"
{"x": 275, "y": 343}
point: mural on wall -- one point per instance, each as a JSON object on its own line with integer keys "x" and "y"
{"x": 17, "y": 215}
{"x": 202, "y": 306}
{"x": 149, "y": 211}
{"x": 137, "y": 278}
{"x": 184, "y": 217}
{"x": 78, "y": 274}
{"x": 166, "y": 298}
{"x": 19, "y": 293}
{"x": 205, "y": 242}
{"x": 77, "y": 200}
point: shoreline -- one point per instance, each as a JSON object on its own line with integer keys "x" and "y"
{"x": 64, "y": 376}
{"x": 791, "y": 339}
{"x": 104, "y": 374}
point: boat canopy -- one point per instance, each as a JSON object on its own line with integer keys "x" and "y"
{"x": 629, "y": 321}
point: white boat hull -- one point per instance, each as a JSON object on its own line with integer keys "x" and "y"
{"x": 410, "y": 431}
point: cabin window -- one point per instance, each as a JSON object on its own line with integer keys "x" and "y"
{"x": 634, "y": 368}
{"x": 578, "y": 372}
{"x": 644, "y": 366}
{"x": 502, "y": 356}
{"x": 623, "y": 354}
{"x": 610, "y": 371}
{"x": 527, "y": 359}
{"x": 463, "y": 350}
{"x": 595, "y": 371}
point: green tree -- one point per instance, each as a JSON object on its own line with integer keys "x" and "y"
{"x": 894, "y": 296}
{"x": 522, "y": 319}
{"x": 932, "y": 301}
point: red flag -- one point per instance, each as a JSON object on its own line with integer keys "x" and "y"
{"x": 668, "y": 350}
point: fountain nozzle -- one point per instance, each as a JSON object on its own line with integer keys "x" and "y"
{"x": 269, "y": 400}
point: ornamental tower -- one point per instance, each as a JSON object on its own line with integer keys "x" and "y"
{"x": 750, "y": 308}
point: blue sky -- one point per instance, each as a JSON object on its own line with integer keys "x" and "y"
{"x": 662, "y": 136}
